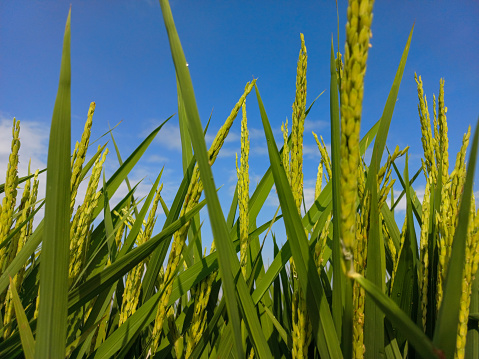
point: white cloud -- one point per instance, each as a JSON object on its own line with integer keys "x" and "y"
{"x": 315, "y": 125}
{"x": 311, "y": 151}
{"x": 33, "y": 146}
{"x": 256, "y": 132}
{"x": 308, "y": 193}
{"x": 156, "y": 159}
{"x": 169, "y": 136}
{"x": 401, "y": 206}
{"x": 258, "y": 150}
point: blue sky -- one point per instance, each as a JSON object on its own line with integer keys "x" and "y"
{"x": 121, "y": 60}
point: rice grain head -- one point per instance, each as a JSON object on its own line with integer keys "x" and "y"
{"x": 358, "y": 30}
{"x": 79, "y": 155}
{"x": 243, "y": 192}
{"x": 191, "y": 199}
{"x": 11, "y": 182}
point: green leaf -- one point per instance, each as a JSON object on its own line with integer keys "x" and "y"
{"x": 99, "y": 282}
{"x": 135, "y": 229}
{"x": 112, "y": 185}
{"x": 448, "y": 316}
{"x": 52, "y": 313}
{"x": 405, "y": 289}
{"x": 26, "y": 336}
{"x": 141, "y": 318}
{"x": 21, "y": 180}
{"x": 120, "y": 161}
{"x": 319, "y": 211}
{"x": 285, "y": 336}
{"x": 17, "y": 229}
{"x": 187, "y": 156}
{"x": 320, "y": 316}
{"x": 339, "y": 279}
{"x": 472, "y": 339}
{"x": 107, "y": 213}
{"x": 228, "y": 260}
{"x": 121, "y": 173}
{"x": 373, "y": 318}
{"x": 414, "y": 334}
{"x": 158, "y": 256}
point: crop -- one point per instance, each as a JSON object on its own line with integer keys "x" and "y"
{"x": 95, "y": 281}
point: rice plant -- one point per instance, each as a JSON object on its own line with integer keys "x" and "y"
{"x": 93, "y": 280}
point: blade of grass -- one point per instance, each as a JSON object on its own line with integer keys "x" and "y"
{"x": 120, "y": 161}
{"x": 375, "y": 272}
{"x": 26, "y": 336}
{"x": 318, "y": 211}
{"x": 52, "y": 313}
{"x": 141, "y": 318}
{"x": 18, "y": 228}
{"x": 107, "y": 213}
{"x": 121, "y": 173}
{"x": 98, "y": 253}
{"x": 112, "y": 185}
{"x": 472, "y": 339}
{"x": 405, "y": 288}
{"x": 227, "y": 257}
{"x": 211, "y": 327}
{"x": 97, "y": 283}
{"x": 21, "y": 180}
{"x": 135, "y": 230}
{"x": 338, "y": 280}
{"x": 320, "y": 316}
{"x": 158, "y": 256}
{"x": 414, "y": 334}
{"x": 187, "y": 155}
{"x": 374, "y": 318}
{"x": 391, "y": 349}
{"x": 448, "y": 316}
{"x": 285, "y": 336}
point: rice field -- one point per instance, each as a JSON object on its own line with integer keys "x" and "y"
{"x": 93, "y": 280}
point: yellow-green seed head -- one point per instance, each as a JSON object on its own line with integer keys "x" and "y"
{"x": 358, "y": 29}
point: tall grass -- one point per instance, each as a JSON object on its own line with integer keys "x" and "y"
{"x": 348, "y": 282}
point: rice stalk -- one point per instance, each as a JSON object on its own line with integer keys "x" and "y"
{"x": 11, "y": 182}
{"x": 297, "y": 129}
{"x": 79, "y": 155}
{"x": 286, "y": 151}
{"x": 174, "y": 336}
{"x": 302, "y": 329}
{"x": 192, "y": 197}
{"x": 358, "y": 31}
{"x": 324, "y": 157}
{"x": 445, "y": 220}
{"x": 81, "y": 222}
{"x": 131, "y": 293}
{"x": 27, "y": 206}
{"x": 319, "y": 181}
{"x": 360, "y": 255}
{"x": 402, "y": 238}
{"x": 458, "y": 177}
{"x": 428, "y": 142}
{"x": 243, "y": 192}
{"x": 80, "y": 231}
{"x": 470, "y": 270}
{"x": 198, "y": 322}
{"x": 424, "y": 248}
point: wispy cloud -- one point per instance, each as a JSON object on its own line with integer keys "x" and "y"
{"x": 156, "y": 159}
{"x": 33, "y": 145}
{"x": 401, "y": 206}
{"x": 168, "y": 137}
{"x": 315, "y": 125}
